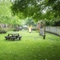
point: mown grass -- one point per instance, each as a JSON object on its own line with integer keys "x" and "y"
{"x": 30, "y": 47}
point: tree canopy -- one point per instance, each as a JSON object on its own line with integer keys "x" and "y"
{"x": 36, "y": 8}
{"x": 5, "y": 13}
{"x": 48, "y": 10}
{"x": 6, "y": 16}
{"x": 29, "y": 22}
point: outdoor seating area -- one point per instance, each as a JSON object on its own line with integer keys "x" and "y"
{"x": 13, "y": 36}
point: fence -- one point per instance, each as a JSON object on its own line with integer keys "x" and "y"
{"x": 53, "y": 29}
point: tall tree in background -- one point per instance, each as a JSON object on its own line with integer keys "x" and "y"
{"x": 6, "y": 16}
{"x": 29, "y": 21}
{"x": 5, "y": 11}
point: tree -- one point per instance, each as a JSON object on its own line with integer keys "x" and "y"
{"x": 36, "y": 9}
{"x": 29, "y": 22}
{"x": 6, "y": 16}
{"x": 5, "y": 12}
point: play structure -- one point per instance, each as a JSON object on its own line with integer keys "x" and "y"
{"x": 42, "y": 28}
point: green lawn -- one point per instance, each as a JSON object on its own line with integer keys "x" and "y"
{"x": 31, "y": 47}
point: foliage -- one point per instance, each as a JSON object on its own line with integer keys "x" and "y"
{"x": 48, "y": 10}
{"x": 6, "y": 15}
{"x": 5, "y": 12}
{"x": 38, "y": 9}
{"x": 29, "y": 22}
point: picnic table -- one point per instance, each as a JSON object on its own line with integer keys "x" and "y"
{"x": 13, "y": 36}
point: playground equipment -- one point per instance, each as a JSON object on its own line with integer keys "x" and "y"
{"x": 42, "y": 28}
